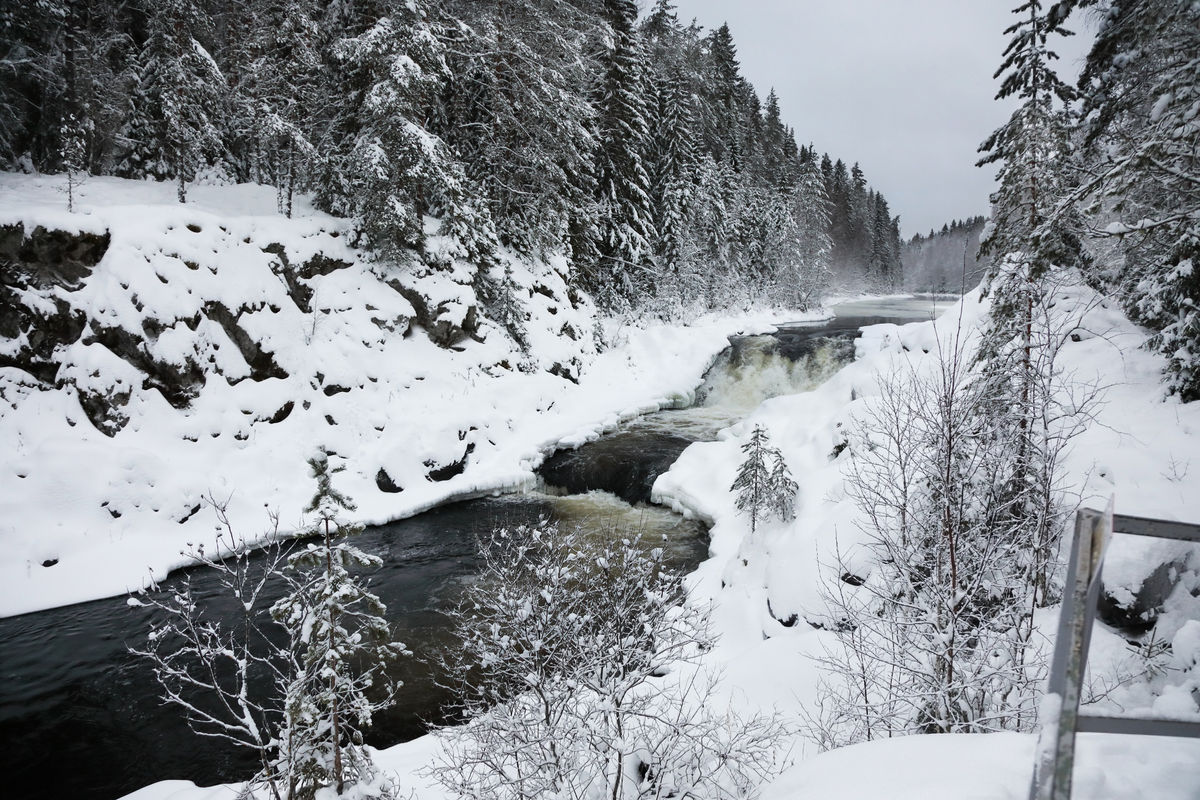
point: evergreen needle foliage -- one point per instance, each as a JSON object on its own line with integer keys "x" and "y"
{"x": 763, "y": 484}
{"x": 299, "y": 681}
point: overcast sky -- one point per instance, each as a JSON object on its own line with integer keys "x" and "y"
{"x": 903, "y": 87}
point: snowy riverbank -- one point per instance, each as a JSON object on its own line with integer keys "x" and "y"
{"x": 767, "y": 587}
{"x": 340, "y": 360}
{"x": 754, "y": 582}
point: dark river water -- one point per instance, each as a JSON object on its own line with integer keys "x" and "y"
{"x": 80, "y": 715}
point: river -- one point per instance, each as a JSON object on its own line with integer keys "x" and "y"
{"x": 80, "y": 715}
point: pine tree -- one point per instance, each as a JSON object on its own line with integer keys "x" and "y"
{"x": 347, "y": 647}
{"x": 670, "y": 165}
{"x": 1032, "y": 149}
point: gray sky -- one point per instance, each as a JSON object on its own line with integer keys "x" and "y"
{"x": 904, "y": 87}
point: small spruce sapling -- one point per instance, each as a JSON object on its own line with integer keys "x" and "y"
{"x": 74, "y": 155}
{"x": 346, "y": 649}
{"x": 781, "y": 489}
{"x": 763, "y": 484}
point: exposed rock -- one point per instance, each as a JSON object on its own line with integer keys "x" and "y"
{"x": 442, "y": 332}
{"x": 850, "y": 579}
{"x": 565, "y": 373}
{"x": 1138, "y": 610}
{"x": 105, "y": 414}
{"x": 438, "y": 474}
{"x": 385, "y": 482}
{"x": 321, "y": 264}
{"x": 300, "y": 293}
{"x": 41, "y": 261}
{"x": 50, "y": 258}
{"x": 283, "y": 412}
{"x": 262, "y": 363}
{"x": 177, "y": 383}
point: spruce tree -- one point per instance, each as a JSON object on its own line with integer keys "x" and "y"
{"x": 1028, "y": 241}
{"x": 626, "y": 226}
{"x": 347, "y": 648}
{"x": 723, "y": 136}
{"x": 279, "y": 93}
{"x": 774, "y": 146}
{"x": 810, "y": 271}
{"x": 781, "y": 489}
{"x": 179, "y": 106}
{"x": 384, "y": 167}
{"x": 519, "y": 115}
{"x": 1140, "y": 87}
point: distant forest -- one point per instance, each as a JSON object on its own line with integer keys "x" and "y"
{"x": 945, "y": 261}
{"x": 546, "y": 126}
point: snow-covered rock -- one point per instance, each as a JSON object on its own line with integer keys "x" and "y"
{"x": 153, "y": 354}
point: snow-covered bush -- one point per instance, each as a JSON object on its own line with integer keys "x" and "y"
{"x": 297, "y": 682}
{"x": 579, "y": 677}
{"x": 940, "y": 636}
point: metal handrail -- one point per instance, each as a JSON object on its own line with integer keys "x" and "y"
{"x": 1055, "y": 756}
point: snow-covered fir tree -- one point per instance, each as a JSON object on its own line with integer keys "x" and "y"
{"x": 1030, "y": 241}
{"x": 346, "y": 649}
{"x": 279, "y": 93}
{"x": 764, "y": 486}
{"x": 179, "y": 105}
{"x": 626, "y": 224}
{"x": 521, "y": 123}
{"x": 518, "y": 114}
{"x": 810, "y": 271}
{"x": 1140, "y": 87}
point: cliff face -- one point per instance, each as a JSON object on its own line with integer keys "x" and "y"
{"x": 152, "y": 353}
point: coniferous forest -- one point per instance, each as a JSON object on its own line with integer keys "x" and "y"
{"x": 549, "y": 126}
{"x": 619, "y": 491}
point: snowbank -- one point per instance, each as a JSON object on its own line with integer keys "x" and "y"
{"x": 767, "y": 587}
{"x": 216, "y": 345}
{"x": 764, "y": 587}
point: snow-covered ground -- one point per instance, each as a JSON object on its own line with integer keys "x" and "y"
{"x": 365, "y": 382}
{"x": 1139, "y": 450}
{"x": 352, "y": 372}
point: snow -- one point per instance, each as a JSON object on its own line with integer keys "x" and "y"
{"x": 991, "y": 767}
{"x": 411, "y": 403}
{"x": 411, "y": 406}
{"x": 1139, "y": 449}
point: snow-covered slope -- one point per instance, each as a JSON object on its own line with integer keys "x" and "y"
{"x": 153, "y": 354}
{"x": 1139, "y": 450}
